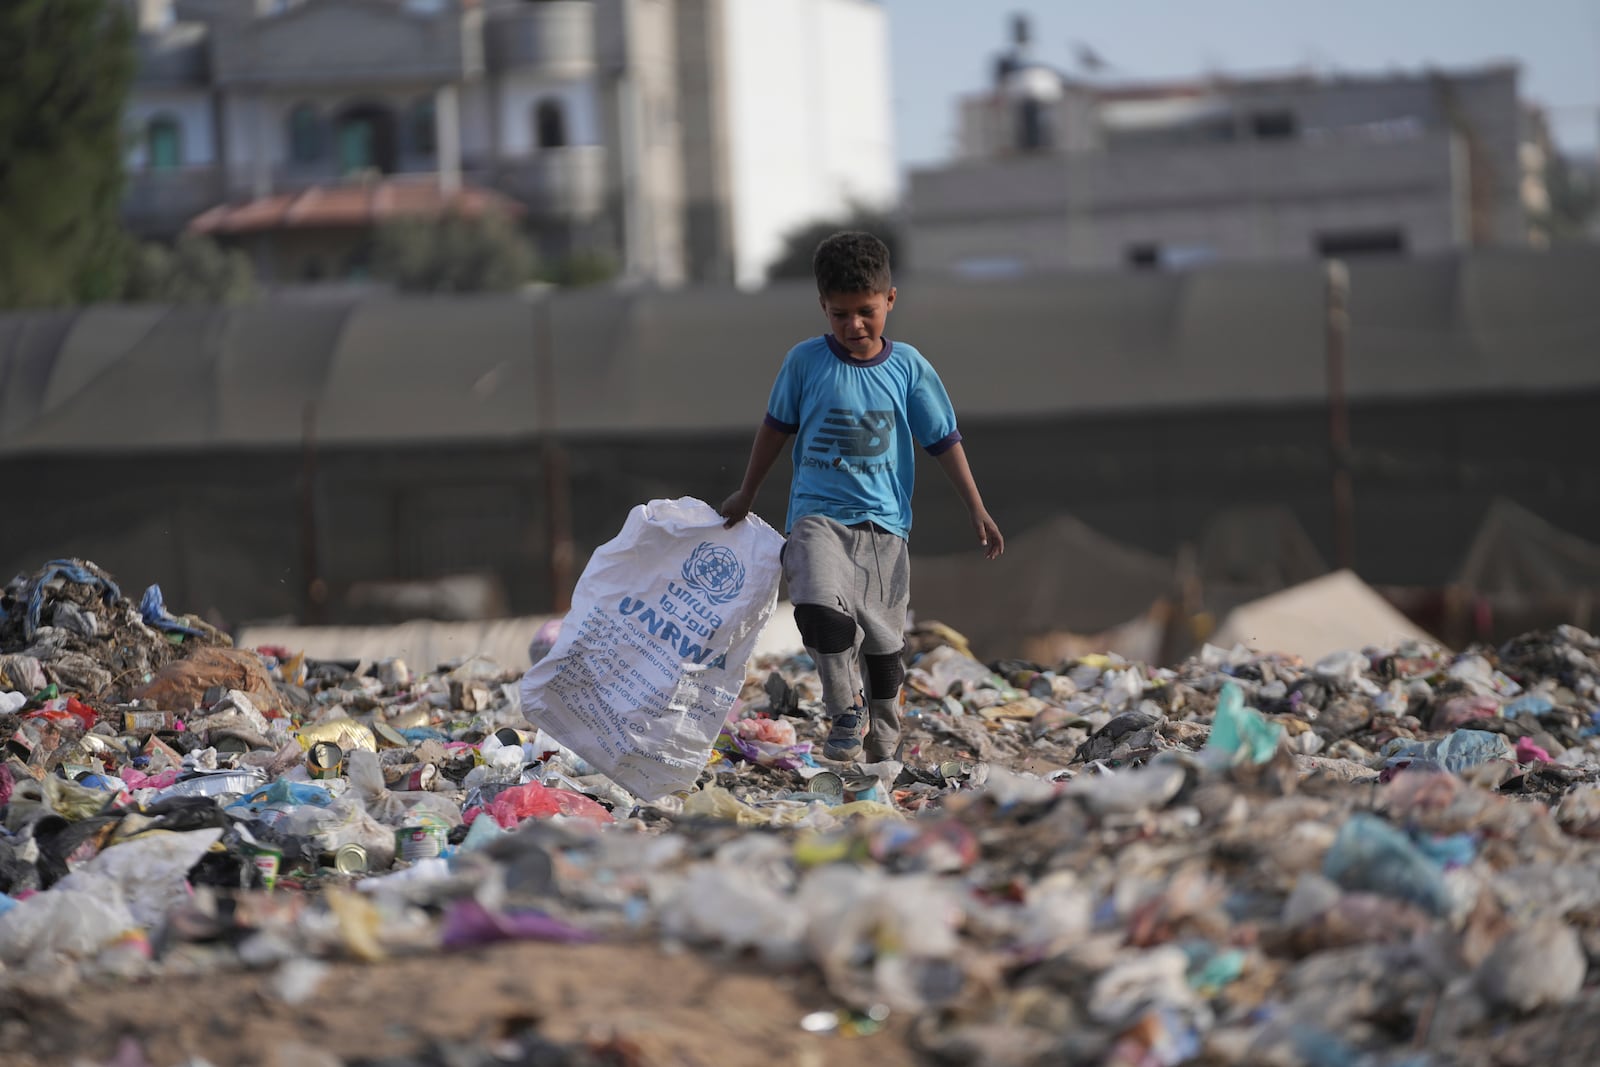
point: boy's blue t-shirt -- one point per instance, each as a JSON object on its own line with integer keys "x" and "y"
{"x": 856, "y": 425}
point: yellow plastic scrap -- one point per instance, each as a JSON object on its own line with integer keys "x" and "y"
{"x": 72, "y": 801}
{"x": 866, "y": 809}
{"x": 818, "y": 850}
{"x": 1024, "y": 710}
{"x": 953, "y": 638}
{"x": 346, "y": 733}
{"x": 293, "y": 669}
{"x": 714, "y": 802}
{"x": 359, "y": 922}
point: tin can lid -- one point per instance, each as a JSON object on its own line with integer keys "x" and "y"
{"x": 827, "y": 784}
{"x": 388, "y": 735}
{"x": 351, "y": 859}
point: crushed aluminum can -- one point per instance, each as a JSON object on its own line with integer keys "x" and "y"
{"x": 325, "y": 760}
{"x": 20, "y": 745}
{"x": 420, "y": 779}
{"x": 147, "y": 722}
{"x": 348, "y": 859}
{"x": 413, "y": 843}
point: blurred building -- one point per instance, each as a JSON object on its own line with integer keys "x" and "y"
{"x": 680, "y": 137}
{"x": 1054, "y": 171}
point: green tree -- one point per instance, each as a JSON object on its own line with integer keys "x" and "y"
{"x": 65, "y": 66}
{"x": 800, "y": 244}
{"x": 195, "y": 270}
{"x": 453, "y": 255}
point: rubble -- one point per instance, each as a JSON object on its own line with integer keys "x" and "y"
{"x": 1386, "y": 857}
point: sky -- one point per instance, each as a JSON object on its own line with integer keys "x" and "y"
{"x": 942, "y": 49}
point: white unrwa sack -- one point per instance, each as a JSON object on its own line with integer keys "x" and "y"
{"x": 653, "y": 654}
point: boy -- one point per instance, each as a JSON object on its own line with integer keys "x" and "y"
{"x": 857, "y": 404}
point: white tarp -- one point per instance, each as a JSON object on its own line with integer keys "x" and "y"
{"x": 1314, "y": 619}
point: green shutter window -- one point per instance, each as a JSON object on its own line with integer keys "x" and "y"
{"x": 355, "y": 146}
{"x": 163, "y": 144}
{"x": 305, "y": 135}
{"x": 423, "y": 141}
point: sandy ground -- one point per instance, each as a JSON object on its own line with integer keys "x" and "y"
{"x": 634, "y": 1004}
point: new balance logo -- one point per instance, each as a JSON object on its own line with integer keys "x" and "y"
{"x": 853, "y": 435}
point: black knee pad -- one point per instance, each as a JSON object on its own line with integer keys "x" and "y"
{"x": 885, "y": 675}
{"x": 825, "y": 629}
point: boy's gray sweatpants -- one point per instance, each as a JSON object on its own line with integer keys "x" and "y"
{"x": 862, "y": 571}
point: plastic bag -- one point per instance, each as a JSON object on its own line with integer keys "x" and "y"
{"x": 535, "y": 801}
{"x": 65, "y": 922}
{"x": 1371, "y": 855}
{"x": 152, "y": 871}
{"x": 343, "y": 822}
{"x": 389, "y": 808}
{"x": 1240, "y": 732}
{"x": 652, "y": 656}
{"x": 1455, "y": 753}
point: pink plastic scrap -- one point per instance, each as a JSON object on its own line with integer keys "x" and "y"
{"x": 1528, "y": 752}
{"x": 536, "y": 801}
{"x": 137, "y": 779}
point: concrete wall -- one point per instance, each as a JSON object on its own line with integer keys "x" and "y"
{"x": 223, "y": 532}
{"x": 810, "y": 122}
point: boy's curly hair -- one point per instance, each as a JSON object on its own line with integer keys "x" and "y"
{"x": 852, "y": 262}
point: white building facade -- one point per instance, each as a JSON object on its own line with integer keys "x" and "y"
{"x": 1056, "y": 173}
{"x": 680, "y": 137}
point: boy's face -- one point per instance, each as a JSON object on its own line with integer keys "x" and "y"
{"x": 857, "y": 320}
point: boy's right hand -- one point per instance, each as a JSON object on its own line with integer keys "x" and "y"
{"x": 735, "y": 508}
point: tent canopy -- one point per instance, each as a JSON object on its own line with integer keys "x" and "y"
{"x": 1518, "y": 554}
{"x": 1062, "y": 575}
{"x": 1329, "y": 614}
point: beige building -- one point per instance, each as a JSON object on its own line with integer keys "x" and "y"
{"x": 620, "y": 128}
{"x": 1055, "y": 172}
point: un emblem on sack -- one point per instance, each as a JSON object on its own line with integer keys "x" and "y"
{"x": 715, "y": 572}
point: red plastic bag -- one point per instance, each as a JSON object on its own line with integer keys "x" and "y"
{"x": 74, "y": 709}
{"x": 535, "y": 801}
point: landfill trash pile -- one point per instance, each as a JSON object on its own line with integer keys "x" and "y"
{"x": 1388, "y": 857}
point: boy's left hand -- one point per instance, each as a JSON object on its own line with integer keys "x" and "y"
{"x": 989, "y": 535}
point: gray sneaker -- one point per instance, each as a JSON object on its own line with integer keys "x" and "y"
{"x": 844, "y": 737}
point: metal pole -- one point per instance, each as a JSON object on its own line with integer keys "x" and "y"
{"x": 316, "y": 590}
{"x": 1338, "y": 329}
{"x": 557, "y": 491}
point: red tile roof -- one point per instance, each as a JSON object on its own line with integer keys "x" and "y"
{"x": 354, "y": 205}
